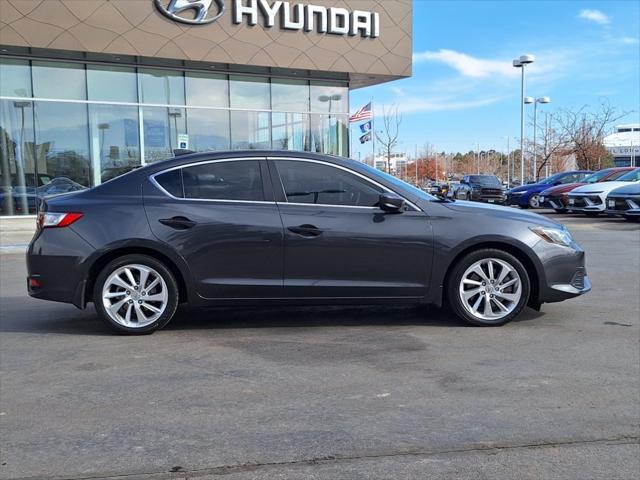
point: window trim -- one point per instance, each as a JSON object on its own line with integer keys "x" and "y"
{"x": 153, "y": 180}
{"x": 339, "y": 167}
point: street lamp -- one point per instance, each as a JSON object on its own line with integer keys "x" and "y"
{"x": 522, "y": 62}
{"x": 535, "y": 129}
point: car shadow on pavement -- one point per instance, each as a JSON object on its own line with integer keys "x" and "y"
{"x": 64, "y": 319}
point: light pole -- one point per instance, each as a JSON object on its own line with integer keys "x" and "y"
{"x": 535, "y": 129}
{"x": 522, "y": 62}
{"x": 508, "y": 161}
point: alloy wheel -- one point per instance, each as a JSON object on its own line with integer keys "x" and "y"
{"x": 490, "y": 289}
{"x": 135, "y": 295}
{"x": 534, "y": 201}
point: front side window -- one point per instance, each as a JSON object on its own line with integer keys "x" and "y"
{"x": 234, "y": 180}
{"x": 316, "y": 183}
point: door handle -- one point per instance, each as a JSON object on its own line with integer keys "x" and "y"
{"x": 179, "y": 223}
{"x": 306, "y": 230}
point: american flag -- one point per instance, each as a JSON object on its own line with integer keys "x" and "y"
{"x": 365, "y": 113}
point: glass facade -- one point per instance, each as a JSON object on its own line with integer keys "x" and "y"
{"x": 66, "y": 126}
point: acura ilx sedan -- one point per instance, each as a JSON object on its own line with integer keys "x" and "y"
{"x": 264, "y": 227}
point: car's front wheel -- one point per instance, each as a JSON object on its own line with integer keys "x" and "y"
{"x": 135, "y": 294}
{"x": 488, "y": 287}
{"x": 534, "y": 201}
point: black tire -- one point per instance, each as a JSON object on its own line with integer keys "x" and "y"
{"x": 561, "y": 210}
{"x": 592, "y": 214}
{"x": 455, "y": 278}
{"x": 161, "y": 269}
{"x": 534, "y": 201}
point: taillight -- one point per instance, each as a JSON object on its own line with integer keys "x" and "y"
{"x": 54, "y": 220}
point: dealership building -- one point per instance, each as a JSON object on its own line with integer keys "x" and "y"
{"x": 90, "y": 89}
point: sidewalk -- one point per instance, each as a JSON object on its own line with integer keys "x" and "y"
{"x": 15, "y": 234}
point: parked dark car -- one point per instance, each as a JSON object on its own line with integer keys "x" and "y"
{"x": 625, "y": 201}
{"x": 480, "y": 188}
{"x": 557, "y": 197}
{"x": 527, "y": 196}
{"x": 264, "y": 227}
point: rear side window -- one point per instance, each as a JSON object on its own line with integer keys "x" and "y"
{"x": 315, "y": 183}
{"x": 171, "y": 181}
{"x": 234, "y": 180}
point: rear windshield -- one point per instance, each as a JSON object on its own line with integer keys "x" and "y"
{"x": 487, "y": 180}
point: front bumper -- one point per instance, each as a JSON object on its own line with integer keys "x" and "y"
{"x": 629, "y": 207}
{"x": 565, "y": 274}
{"x": 586, "y": 203}
{"x": 556, "y": 202}
{"x": 517, "y": 200}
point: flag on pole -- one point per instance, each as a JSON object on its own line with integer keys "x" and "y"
{"x": 365, "y": 113}
{"x": 365, "y": 138}
{"x": 365, "y": 127}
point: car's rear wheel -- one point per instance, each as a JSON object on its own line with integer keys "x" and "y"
{"x": 135, "y": 294}
{"x": 534, "y": 201}
{"x": 488, "y": 287}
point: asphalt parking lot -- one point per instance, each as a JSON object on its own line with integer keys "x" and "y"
{"x": 331, "y": 393}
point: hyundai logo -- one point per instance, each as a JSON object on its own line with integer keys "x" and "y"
{"x": 194, "y": 12}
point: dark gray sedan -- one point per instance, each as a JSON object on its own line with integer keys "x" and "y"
{"x": 265, "y": 227}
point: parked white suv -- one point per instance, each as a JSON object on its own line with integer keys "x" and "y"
{"x": 591, "y": 199}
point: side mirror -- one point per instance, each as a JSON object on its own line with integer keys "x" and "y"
{"x": 390, "y": 202}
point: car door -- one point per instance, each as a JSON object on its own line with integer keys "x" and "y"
{"x": 220, "y": 217}
{"x": 338, "y": 243}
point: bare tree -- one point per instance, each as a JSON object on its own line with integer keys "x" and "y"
{"x": 388, "y": 136}
{"x": 584, "y": 131}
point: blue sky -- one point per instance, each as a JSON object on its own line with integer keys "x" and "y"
{"x": 464, "y": 89}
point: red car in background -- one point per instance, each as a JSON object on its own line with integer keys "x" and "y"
{"x": 557, "y": 197}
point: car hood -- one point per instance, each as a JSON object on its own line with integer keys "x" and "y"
{"x": 566, "y": 187}
{"x": 532, "y": 187}
{"x": 503, "y": 213}
{"x": 600, "y": 187}
{"x": 632, "y": 189}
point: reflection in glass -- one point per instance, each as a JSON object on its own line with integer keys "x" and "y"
{"x": 290, "y": 95}
{"x": 115, "y": 144}
{"x": 329, "y": 98}
{"x": 250, "y": 130}
{"x": 161, "y": 126}
{"x": 15, "y": 78}
{"x": 62, "y": 142}
{"x": 17, "y": 167}
{"x": 290, "y": 131}
{"x": 250, "y": 92}
{"x": 329, "y": 134}
{"x": 208, "y": 129}
{"x": 207, "y": 90}
{"x": 164, "y": 87}
{"x": 59, "y": 80}
{"x": 114, "y": 84}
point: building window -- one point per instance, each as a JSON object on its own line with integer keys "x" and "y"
{"x": 329, "y": 134}
{"x": 115, "y": 142}
{"x": 208, "y": 129}
{"x": 62, "y": 81}
{"x": 250, "y": 130}
{"x": 250, "y": 92}
{"x": 207, "y": 90}
{"x": 329, "y": 98}
{"x": 290, "y": 95}
{"x": 161, "y": 127}
{"x": 62, "y": 141}
{"x": 162, "y": 87}
{"x": 290, "y": 131}
{"x": 15, "y": 78}
{"x": 113, "y": 84}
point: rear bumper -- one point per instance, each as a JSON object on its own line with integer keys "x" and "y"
{"x": 55, "y": 258}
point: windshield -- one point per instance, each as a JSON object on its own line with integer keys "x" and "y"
{"x": 553, "y": 178}
{"x": 487, "y": 180}
{"x": 632, "y": 176}
{"x": 596, "y": 177}
{"x": 400, "y": 183}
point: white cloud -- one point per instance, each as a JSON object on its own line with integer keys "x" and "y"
{"x": 629, "y": 40}
{"x": 467, "y": 65}
{"x": 420, "y": 105}
{"x": 594, "y": 16}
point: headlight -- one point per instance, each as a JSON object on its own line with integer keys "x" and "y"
{"x": 554, "y": 235}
